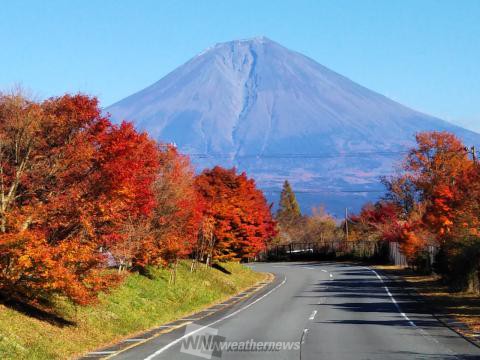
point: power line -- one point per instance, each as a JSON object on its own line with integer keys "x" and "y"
{"x": 327, "y": 191}
{"x": 231, "y": 156}
{"x": 297, "y": 155}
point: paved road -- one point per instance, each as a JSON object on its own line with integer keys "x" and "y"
{"x": 322, "y": 311}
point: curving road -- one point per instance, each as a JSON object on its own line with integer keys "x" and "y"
{"x": 317, "y": 311}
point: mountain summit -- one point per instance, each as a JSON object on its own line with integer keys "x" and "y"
{"x": 280, "y": 115}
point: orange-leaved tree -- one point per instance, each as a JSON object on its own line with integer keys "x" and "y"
{"x": 176, "y": 214}
{"x": 439, "y": 195}
{"x": 241, "y": 215}
{"x": 65, "y": 191}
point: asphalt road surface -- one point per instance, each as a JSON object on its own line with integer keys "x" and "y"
{"x": 316, "y": 311}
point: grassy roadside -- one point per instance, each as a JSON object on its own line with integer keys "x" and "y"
{"x": 138, "y": 304}
{"x": 463, "y": 307}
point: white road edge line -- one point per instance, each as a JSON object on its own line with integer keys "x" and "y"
{"x": 423, "y": 332}
{"x": 323, "y": 270}
{"x": 392, "y": 298}
{"x": 176, "y": 341}
{"x": 312, "y": 315}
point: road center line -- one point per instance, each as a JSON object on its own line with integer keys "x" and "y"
{"x": 176, "y": 341}
{"x": 312, "y": 315}
{"x": 302, "y": 338}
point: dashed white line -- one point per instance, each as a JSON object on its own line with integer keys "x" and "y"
{"x": 302, "y": 338}
{"x": 312, "y": 315}
{"x": 176, "y": 341}
{"x": 324, "y": 270}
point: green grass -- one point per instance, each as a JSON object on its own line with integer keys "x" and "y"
{"x": 138, "y": 304}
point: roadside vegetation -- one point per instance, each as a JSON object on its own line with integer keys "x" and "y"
{"x": 294, "y": 227}
{"x": 95, "y": 221}
{"x": 431, "y": 212}
{"x": 137, "y": 304}
{"x": 432, "y": 209}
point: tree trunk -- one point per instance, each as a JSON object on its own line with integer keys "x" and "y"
{"x": 473, "y": 283}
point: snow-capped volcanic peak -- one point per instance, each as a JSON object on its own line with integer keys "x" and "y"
{"x": 251, "y": 102}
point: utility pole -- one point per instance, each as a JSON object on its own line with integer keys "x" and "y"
{"x": 472, "y": 151}
{"x": 346, "y": 224}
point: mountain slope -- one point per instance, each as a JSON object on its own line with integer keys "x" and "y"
{"x": 278, "y": 114}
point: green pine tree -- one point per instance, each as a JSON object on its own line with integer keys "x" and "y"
{"x": 289, "y": 211}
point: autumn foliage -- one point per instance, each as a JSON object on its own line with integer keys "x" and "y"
{"x": 242, "y": 220}
{"x": 435, "y": 201}
{"x": 175, "y": 222}
{"x": 82, "y": 200}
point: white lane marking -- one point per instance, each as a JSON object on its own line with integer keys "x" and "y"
{"x": 323, "y": 270}
{"x": 308, "y": 267}
{"x": 312, "y": 315}
{"x": 281, "y": 266}
{"x": 423, "y": 332}
{"x": 176, "y": 341}
{"x": 393, "y": 299}
{"x": 302, "y": 338}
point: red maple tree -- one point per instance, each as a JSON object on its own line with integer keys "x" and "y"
{"x": 242, "y": 218}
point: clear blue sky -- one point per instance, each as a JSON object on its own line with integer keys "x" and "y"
{"x": 424, "y": 54}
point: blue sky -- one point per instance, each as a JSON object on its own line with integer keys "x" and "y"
{"x": 424, "y": 54}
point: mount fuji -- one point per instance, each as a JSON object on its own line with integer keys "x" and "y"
{"x": 277, "y": 115}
